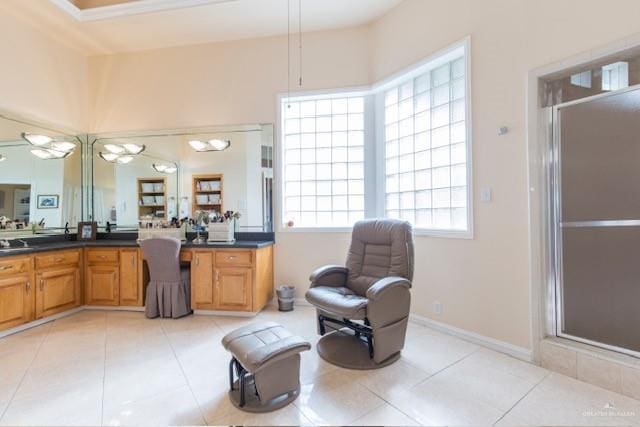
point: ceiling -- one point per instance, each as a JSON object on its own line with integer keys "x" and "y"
{"x": 171, "y": 24}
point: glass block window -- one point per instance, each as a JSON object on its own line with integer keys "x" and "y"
{"x": 426, "y": 149}
{"x": 323, "y": 161}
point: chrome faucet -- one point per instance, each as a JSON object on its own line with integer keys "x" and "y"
{"x": 25, "y": 244}
{"x": 4, "y": 243}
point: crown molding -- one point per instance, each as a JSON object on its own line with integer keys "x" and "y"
{"x": 129, "y": 8}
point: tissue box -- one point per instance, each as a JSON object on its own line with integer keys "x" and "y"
{"x": 221, "y": 232}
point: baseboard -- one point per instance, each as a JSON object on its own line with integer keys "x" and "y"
{"x": 112, "y": 308}
{"x": 39, "y": 322}
{"x": 492, "y": 343}
{"x": 224, "y": 313}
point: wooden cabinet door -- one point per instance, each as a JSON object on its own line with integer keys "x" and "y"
{"x": 233, "y": 289}
{"x": 57, "y": 290}
{"x": 202, "y": 295}
{"x": 130, "y": 283}
{"x": 102, "y": 287}
{"x": 16, "y": 301}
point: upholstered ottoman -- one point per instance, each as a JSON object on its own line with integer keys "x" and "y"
{"x": 266, "y": 359}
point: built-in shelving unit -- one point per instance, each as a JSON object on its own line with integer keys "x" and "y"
{"x": 21, "y": 204}
{"x": 207, "y": 193}
{"x": 152, "y": 198}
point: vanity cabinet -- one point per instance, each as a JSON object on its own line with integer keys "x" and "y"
{"x": 130, "y": 277}
{"x": 231, "y": 279}
{"x": 202, "y": 295}
{"x": 16, "y": 292}
{"x": 113, "y": 277}
{"x": 57, "y": 282}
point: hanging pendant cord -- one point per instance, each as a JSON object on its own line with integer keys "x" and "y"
{"x": 300, "y": 41}
{"x": 288, "y": 52}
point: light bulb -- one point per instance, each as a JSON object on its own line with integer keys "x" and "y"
{"x": 219, "y": 144}
{"x": 198, "y": 145}
{"x": 134, "y": 148}
{"x": 115, "y": 149}
{"x": 124, "y": 160}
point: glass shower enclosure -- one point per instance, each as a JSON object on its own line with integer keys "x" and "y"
{"x": 595, "y": 200}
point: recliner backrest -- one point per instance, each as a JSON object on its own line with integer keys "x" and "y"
{"x": 379, "y": 248}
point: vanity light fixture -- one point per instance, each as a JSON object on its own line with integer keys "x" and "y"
{"x": 47, "y": 147}
{"x": 3, "y": 158}
{"x": 37, "y": 140}
{"x": 115, "y": 158}
{"x": 131, "y": 149}
{"x": 50, "y": 154}
{"x": 210, "y": 145}
{"x": 168, "y": 169}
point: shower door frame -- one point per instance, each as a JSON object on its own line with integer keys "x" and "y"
{"x": 554, "y": 182}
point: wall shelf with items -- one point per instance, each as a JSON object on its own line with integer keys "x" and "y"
{"x": 152, "y": 198}
{"x": 207, "y": 193}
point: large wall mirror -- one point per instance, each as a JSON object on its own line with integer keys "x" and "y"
{"x": 160, "y": 177}
{"x": 40, "y": 178}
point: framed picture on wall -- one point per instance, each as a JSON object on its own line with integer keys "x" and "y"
{"x": 87, "y": 230}
{"x": 48, "y": 201}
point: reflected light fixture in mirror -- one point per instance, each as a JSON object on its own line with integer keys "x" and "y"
{"x": 115, "y": 158}
{"x": 37, "y": 140}
{"x": 50, "y": 154}
{"x": 132, "y": 149}
{"x": 3, "y": 158}
{"x": 168, "y": 169}
{"x": 210, "y": 145}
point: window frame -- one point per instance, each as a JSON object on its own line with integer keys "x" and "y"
{"x": 433, "y": 61}
{"x": 369, "y": 154}
{"x": 374, "y": 159}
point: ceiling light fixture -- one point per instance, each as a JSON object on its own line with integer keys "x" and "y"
{"x": 168, "y": 169}
{"x": 210, "y": 145}
{"x": 123, "y": 160}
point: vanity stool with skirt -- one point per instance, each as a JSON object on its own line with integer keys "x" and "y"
{"x": 265, "y": 358}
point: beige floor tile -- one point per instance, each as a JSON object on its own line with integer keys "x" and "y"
{"x": 443, "y": 402}
{"x": 288, "y": 416}
{"x": 336, "y": 399}
{"x": 398, "y": 376}
{"x": 385, "y": 415}
{"x": 433, "y": 351}
{"x": 80, "y": 405}
{"x": 175, "y": 407}
{"x": 482, "y": 382}
{"x": 511, "y": 365}
{"x": 560, "y": 400}
{"x": 126, "y": 382}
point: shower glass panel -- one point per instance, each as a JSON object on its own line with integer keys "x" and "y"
{"x": 596, "y": 182}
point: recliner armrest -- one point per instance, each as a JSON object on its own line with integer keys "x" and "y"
{"x": 329, "y": 275}
{"x": 379, "y": 288}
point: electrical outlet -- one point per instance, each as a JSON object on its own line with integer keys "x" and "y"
{"x": 437, "y": 307}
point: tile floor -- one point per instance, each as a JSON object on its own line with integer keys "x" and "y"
{"x": 118, "y": 368}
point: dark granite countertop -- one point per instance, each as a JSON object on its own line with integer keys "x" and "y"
{"x": 44, "y": 245}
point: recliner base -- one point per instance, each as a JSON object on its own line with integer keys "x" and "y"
{"x": 252, "y": 402}
{"x": 343, "y": 348}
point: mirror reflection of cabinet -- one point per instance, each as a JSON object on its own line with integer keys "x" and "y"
{"x": 207, "y": 193}
{"x": 152, "y": 198}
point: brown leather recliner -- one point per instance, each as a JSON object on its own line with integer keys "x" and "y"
{"x": 369, "y": 297}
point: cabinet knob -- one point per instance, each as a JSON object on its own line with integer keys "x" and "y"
{"x": 197, "y": 260}
{"x": 231, "y": 257}
{"x": 60, "y": 259}
{"x": 217, "y": 275}
{"x": 5, "y": 267}
{"x": 28, "y": 286}
{"x": 41, "y": 285}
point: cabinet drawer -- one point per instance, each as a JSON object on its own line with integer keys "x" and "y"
{"x": 102, "y": 256}
{"x": 55, "y": 259}
{"x": 11, "y": 266}
{"x": 234, "y": 258}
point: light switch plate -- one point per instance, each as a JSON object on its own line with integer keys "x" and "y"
{"x": 485, "y": 195}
